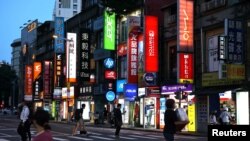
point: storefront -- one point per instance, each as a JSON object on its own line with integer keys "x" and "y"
{"x": 67, "y": 103}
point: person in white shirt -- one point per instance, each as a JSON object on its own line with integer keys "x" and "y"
{"x": 24, "y": 117}
{"x": 225, "y": 116}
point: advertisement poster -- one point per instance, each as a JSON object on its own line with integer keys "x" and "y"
{"x": 162, "y": 112}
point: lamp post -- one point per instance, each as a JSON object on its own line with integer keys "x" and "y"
{"x": 68, "y": 69}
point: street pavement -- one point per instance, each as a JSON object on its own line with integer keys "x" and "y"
{"x": 62, "y": 132}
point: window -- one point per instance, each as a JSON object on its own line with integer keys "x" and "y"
{"x": 74, "y": 1}
{"x": 75, "y": 7}
{"x": 124, "y": 30}
{"x": 60, "y": 6}
{"x": 74, "y": 13}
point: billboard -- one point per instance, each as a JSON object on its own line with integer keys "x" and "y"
{"x": 151, "y": 44}
{"x": 185, "y": 25}
{"x": 185, "y": 71}
{"x": 28, "y": 82}
{"x": 37, "y": 69}
{"x": 109, "y": 30}
{"x": 71, "y": 57}
{"x": 59, "y": 31}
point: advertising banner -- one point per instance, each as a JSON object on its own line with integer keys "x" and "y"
{"x": 185, "y": 71}
{"x": 46, "y": 80}
{"x": 71, "y": 57}
{"x": 28, "y": 82}
{"x": 37, "y": 69}
{"x": 109, "y": 30}
{"x": 59, "y": 32}
{"x": 130, "y": 91}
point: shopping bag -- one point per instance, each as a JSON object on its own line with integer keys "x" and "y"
{"x": 182, "y": 119}
{"x": 20, "y": 128}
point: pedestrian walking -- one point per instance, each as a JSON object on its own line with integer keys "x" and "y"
{"x": 225, "y": 116}
{"x": 118, "y": 119}
{"x": 24, "y": 126}
{"x": 212, "y": 118}
{"x": 41, "y": 123}
{"x": 79, "y": 121}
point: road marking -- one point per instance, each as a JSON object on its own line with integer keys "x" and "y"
{"x": 129, "y": 138}
{"x": 4, "y": 135}
{"x": 156, "y": 136}
{"x": 103, "y": 138}
{"x": 80, "y": 138}
{"x": 59, "y": 139}
{"x": 3, "y": 140}
{"x": 142, "y": 137}
{"x": 93, "y": 133}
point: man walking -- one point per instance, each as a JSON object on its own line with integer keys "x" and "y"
{"x": 24, "y": 117}
{"x": 80, "y": 122}
{"x": 118, "y": 119}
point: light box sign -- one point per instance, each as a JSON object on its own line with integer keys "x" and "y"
{"x": 109, "y": 30}
{"x": 151, "y": 44}
{"x": 130, "y": 91}
{"x": 133, "y": 29}
{"x": 28, "y": 82}
{"x": 84, "y": 51}
{"x": 185, "y": 26}
{"x": 171, "y": 89}
{"x": 120, "y": 85}
{"x": 46, "y": 79}
{"x": 110, "y": 74}
{"x": 71, "y": 57}
{"x": 185, "y": 71}
{"x": 59, "y": 31}
{"x": 37, "y": 69}
{"x": 221, "y": 47}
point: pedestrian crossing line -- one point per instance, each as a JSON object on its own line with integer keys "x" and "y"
{"x": 93, "y": 133}
{"x": 103, "y": 138}
{"x": 128, "y": 138}
{"x": 4, "y": 140}
{"x": 156, "y": 136}
{"x": 145, "y": 137}
{"x": 59, "y": 139}
{"x": 5, "y": 135}
{"x": 80, "y": 138}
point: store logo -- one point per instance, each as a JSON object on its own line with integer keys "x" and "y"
{"x": 109, "y": 63}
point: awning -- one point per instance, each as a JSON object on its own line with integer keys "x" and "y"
{"x": 216, "y": 90}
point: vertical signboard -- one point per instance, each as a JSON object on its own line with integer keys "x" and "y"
{"x": 151, "y": 44}
{"x": 140, "y": 59}
{"x": 186, "y": 68}
{"x": 46, "y": 80}
{"x": 221, "y": 47}
{"x": 71, "y": 57}
{"x": 109, "y": 30}
{"x": 28, "y": 82}
{"x": 59, "y": 31}
{"x": 234, "y": 33}
{"x": 37, "y": 69}
{"x": 185, "y": 25}
{"x": 58, "y": 69}
{"x": 133, "y": 29}
{"x": 84, "y": 55}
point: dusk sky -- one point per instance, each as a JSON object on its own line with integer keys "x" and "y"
{"x": 13, "y": 14}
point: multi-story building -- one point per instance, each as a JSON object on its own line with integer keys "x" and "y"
{"x": 15, "y": 59}
{"x": 67, "y": 8}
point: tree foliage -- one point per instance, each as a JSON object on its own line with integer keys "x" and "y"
{"x": 7, "y": 76}
{"x": 122, "y": 6}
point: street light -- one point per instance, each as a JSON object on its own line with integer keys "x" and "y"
{"x": 68, "y": 69}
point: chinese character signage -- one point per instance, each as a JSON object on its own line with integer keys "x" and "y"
{"x": 221, "y": 47}
{"x": 185, "y": 74}
{"x": 84, "y": 56}
{"x": 234, "y": 33}
{"x": 58, "y": 69}
{"x": 37, "y": 69}
{"x": 28, "y": 82}
{"x": 71, "y": 57}
{"x": 109, "y": 30}
{"x": 151, "y": 44}
{"x": 46, "y": 79}
{"x": 59, "y": 32}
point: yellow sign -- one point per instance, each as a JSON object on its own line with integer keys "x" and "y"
{"x": 192, "y": 118}
{"x": 235, "y": 71}
{"x": 212, "y": 79}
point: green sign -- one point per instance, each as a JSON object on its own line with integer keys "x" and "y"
{"x": 109, "y": 30}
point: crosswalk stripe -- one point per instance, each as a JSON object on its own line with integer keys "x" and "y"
{"x": 80, "y": 138}
{"x": 59, "y": 139}
{"x": 103, "y": 138}
{"x": 3, "y": 140}
{"x": 93, "y": 133}
{"x": 129, "y": 138}
{"x": 143, "y": 137}
{"x": 156, "y": 136}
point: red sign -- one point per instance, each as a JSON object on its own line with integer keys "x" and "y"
{"x": 28, "y": 80}
{"x": 110, "y": 74}
{"x": 151, "y": 44}
{"x": 37, "y": 69}
{"x": 185, "y": 68}
{"x": 132, "y": 57}
{"x": 46, "y": 79}
{"x": 185, "y": 28}
{"x": 122, "y": 49}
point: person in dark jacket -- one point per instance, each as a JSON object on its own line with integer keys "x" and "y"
{"x": 170, "y": 118}
{"x": 118, "y": 119}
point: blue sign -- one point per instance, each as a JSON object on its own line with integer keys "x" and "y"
{"x": 149, "y": 78}
{"x": 59, "y": 32}
{"x": 120, "y": 84}
{"x": 110, "y": 95}
{"x": 130, "y": 91}
{"x": 109, "y": 63}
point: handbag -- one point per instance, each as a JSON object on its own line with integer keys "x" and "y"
{"x": 182, "y": 119}
{"x": 20, "y": 128}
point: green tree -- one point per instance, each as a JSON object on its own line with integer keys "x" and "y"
{"x": 7, "y": 76}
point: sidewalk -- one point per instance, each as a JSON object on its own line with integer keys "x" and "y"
{"x": 129, "y": 127}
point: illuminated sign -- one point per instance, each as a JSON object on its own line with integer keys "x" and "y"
{"x": 109, "y": 31}
{"x": 37, "y": 69}
{"x": 46, "y": 80}
{"x": 71, "y": 57}
{"x": 185, "y": 26}
{"x": 59, "y": 31}
{"x": 109, "y": 63}
{"x": 110, "y": 74}
{"x": 130, "y": 91}
{"x": 84, "y": 53}
{"x": 151, "y": 44}
{"x": 28, "y": 82}
{"x": 221, "y": 47}
{"x": 110, "y": 96}
{"x": 122, "y": 49}
{"x": 120, "y": 84}
{"x": 32, "y": 26}
{"x": 185, "y": 68}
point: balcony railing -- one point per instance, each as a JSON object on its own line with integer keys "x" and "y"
{"x": 213, "y": 4}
